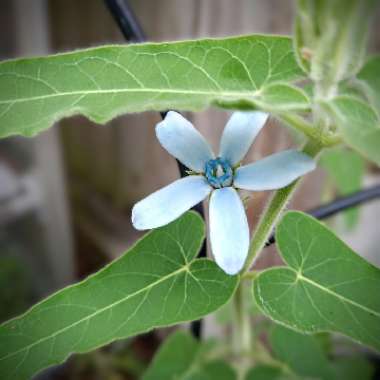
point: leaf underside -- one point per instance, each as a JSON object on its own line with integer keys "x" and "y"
{"x": 302, "y": 353}
{"x": 326, "y": 286}
{"x": 158, "y": 282}
{"x": 182, "y": 357}
{"x": 359, "y": 124}
{"x": 369, "y": 75}
{"x": 101, "y": 83}
{"x": 308, "y": 358}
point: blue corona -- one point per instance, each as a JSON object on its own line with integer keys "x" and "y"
{"x": 219, "y": 173}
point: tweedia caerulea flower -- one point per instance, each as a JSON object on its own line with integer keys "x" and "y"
{"x": 219, "y": 176}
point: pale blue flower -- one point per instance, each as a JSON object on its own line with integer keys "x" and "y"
{"x": 218, "y": 177}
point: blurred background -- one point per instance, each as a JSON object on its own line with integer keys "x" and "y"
{"x": 66, "y": 195}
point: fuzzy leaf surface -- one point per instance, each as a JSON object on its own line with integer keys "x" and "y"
{"x": 369, "y": 75}
{"x": 325, "y": 287}
{"x": 158, "y": 282}
{"x": 359, "y": 124}
{"x": 242, "y": 72}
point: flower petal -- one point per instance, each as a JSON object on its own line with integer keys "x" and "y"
{"x": 170, "y": 202}
{"x": 239, "y": 133}
{"x": 274, "y": 172}
{"x": 229, "y": 231}
{"x": 178, "y": 136}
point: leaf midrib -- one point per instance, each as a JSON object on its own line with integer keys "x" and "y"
{"x": 132, "y": 90}
{"x": 344, "y": 299}
{"x": 62, "y": 330}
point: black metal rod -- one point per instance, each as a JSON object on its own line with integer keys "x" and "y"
{"x": 343, "y": 203}
{"x": 339, "y": 205}
{"x": 126, "y": 19}
{"x": 132, "y": 31}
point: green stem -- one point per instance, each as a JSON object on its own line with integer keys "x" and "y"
{"x": 326, "y": 139}
{"x": 250, "y": 275}
{"x": 242, "y": 336}
{"x": 273, "y": 211}
{"x": 242, "y": 328}
{"x": 262, "y": 356}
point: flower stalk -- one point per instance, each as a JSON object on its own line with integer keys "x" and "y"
{"x": 326, "y": 138}
{"x": 242, "y": 337}
{"x": 242, "y": 332}
{"x": 273, "y": 211}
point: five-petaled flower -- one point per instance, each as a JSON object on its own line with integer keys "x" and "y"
{"x": 219, "y": 176}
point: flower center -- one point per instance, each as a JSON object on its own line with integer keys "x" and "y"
{"x": 219, "y": 173}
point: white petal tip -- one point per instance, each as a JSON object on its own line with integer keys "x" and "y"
{"x": 308, "y": 162}
{"x": 239, "y": 134}
{"x": 169, "y": 203}
{"x": 231, "y": 268}
{"x": 262, "y": 116}
{"x": 171, "y": 115}
{"x": 179, "y": 137}
{"x": 137, "y": 220}
{"x": 258, "y": 115}
{"x": 255, "y": 118}
{"x": 170, "y": 121}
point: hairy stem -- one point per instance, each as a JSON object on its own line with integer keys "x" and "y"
{"x": 242, "y": 335}
{"x": 327, "y": 139}
{"x": 273, "y": 211}
{"x": 242, "y": 332}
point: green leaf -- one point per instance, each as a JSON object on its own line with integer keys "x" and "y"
{"x": 353, "y": 88}
{"x": 158, "y": 282}
{"x": 327, "y": 286}
{"x": 13, "y": 299}
{"x": 174, "y": 358}
{"x": 101, "y": 83}
{"x": 325, "y": 340}
{"x": 369, "y": 75}
{"x": 353, "y": 368}
{"x": 214, "y": 370}
{"x": 274, "y": 97}
{"x": 268, "y": 372}
{"x": 359, "y": 125}
{"x": 305, "y": 356}
{"x": 345, "y": 170}
{"x": 182, "y": 357}
{"x": 302, "y": 353}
